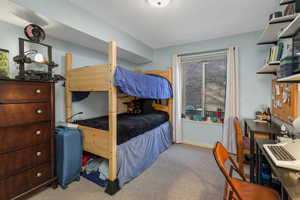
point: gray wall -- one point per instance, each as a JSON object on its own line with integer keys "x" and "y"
{"x": 96, "y": 104}
{"x": 201, "y": 133}
{"x": 255, "y": 90}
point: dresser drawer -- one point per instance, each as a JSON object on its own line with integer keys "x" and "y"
{"x": 13, "y": 162}
{"x": 15, "y": 91}
{"x": 16, "y": 114}
{"x": 16, "y": 185}
{"x": 14, "y": 138}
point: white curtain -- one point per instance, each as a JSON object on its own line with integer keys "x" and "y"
{"x": 232, "y": 104}
{"x": 177, "y": 85}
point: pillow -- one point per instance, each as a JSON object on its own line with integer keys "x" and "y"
{"x": 140, "y": 106}
{"x": 134, "y": 107}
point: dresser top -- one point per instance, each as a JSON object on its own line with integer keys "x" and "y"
{"x": 31, "y": 81}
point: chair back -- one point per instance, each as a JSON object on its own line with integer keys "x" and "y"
{"x": 222, "y": 156}
{"x": 239, "y": 140}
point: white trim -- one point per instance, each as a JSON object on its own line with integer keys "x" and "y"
{"x": 203, "y": 88}
{"x": 203, "y": 56}
{"x": 197, "y": 144}
{"x": 203, "y": 122}
{"x": 177, "y": 89}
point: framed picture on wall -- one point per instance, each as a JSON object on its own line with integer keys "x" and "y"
{"x": 4, "y": 63}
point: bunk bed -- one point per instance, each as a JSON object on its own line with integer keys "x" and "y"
{"x": 102, "y": 139}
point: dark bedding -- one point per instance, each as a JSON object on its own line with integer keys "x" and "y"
{"x": 129, "y": 125}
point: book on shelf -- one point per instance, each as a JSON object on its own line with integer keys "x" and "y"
{"x": 289, "y": 9}
{"x": 287, "y": 49}
{"x": 280, "y": 51}
{"x": 275, "y": 53}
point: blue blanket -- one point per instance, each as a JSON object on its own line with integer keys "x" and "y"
{"x": 139, "y": 153}
{"x": 141, "y": 85}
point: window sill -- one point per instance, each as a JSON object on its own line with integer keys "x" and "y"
{"x": 203, "y": 122}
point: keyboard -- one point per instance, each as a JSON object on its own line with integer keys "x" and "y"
{"x": 281, "y": 153}
{"x": 286, "y": 155}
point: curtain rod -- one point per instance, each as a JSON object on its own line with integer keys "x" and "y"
{"x": 203, "y": 52}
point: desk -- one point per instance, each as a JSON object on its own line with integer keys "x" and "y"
{"x": 259, "y": 129}
{"x": 285, "y": 176}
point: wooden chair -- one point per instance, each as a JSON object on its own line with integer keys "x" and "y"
{"x": 242, "y": 144}
{"x": 237, "y": 189}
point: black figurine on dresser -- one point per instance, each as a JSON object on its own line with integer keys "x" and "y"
{"x": 35, "y": 35}
{"x": 23, "y": 59}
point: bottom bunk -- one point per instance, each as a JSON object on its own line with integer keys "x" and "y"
{"x": 128, "y": 125}
{"x": 141, "y": 139}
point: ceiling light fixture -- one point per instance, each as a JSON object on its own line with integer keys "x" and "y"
{"x": 158, "y": 3}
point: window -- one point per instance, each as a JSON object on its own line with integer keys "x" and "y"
{"x": 204, "y": 87}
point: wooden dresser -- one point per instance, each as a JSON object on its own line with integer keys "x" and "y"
{"x": 27, "y": 153}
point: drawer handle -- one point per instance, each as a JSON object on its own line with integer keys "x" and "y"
{"x": 38, "y": 132}
{"x": 38, "y": 153}
{"x": 38, "y": 91}
{"x": 39, "y": 111}
{"x": 39, "y": 174}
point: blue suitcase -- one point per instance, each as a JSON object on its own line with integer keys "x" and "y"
{"x": 68, "y": 155}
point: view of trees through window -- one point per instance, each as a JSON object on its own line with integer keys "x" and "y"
{"x": 204, "y": 88}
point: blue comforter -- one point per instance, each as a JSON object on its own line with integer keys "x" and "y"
{"x": 141, "y": 85}
{"x": 139, "y": 153}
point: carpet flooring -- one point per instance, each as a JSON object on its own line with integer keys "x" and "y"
{"x": 181, "y": 173}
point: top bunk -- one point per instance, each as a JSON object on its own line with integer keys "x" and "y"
{"x": 142, "y": 85}
{"x": 156, "y": 84}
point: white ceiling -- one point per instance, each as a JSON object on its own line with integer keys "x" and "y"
{"x": 7, "y": 13}
{"x": 182, "y": 21}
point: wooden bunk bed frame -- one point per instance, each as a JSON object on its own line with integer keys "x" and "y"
{"x": 99, "y": 78}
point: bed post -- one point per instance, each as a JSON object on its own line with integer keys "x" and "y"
{"x": 113, "y": 185}
{"x": 69, "y": 64}
{"x": 170, "y": 101}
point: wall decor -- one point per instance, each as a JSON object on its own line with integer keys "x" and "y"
{"x": 285, "y": 105}
{"x": 4, "y": 63}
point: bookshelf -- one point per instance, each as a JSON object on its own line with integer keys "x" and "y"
{"x": 282, "y": 32}
{"x": 274, "y": 63}
{"x": 283, "y": 19}
{"x": 270, "y": 68}
{"x": 273, "y": 28}
{"x": 291, "y": 29}
{"x": 292, "y": 79}
{"x": 284, "y": 2}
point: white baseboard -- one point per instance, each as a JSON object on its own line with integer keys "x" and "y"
{"x": 208, "y": 146}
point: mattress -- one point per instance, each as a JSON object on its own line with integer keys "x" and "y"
{"x": 129, "y": 125}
